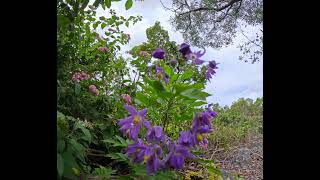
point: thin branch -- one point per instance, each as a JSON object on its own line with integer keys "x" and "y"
{"x": 215, "y": 9}
{"x": 249, "y": 39}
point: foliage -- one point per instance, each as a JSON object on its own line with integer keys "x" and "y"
{"x": 215, "y": 23}
{"x": 236, "y": 122}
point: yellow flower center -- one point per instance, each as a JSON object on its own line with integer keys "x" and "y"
{"x": 199, "y": 137}
{"x": 146, "y": 158}
{"x": 159, "y": 75}
{"x": 136, "y": 119}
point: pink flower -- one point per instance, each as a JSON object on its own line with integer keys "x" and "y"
{"x": 144, "y": 53}
{"x": 79, "y": 76}
{"x": 126, "y": 98}
{"x": 103, "y": 49}
{"x": 93, "y": 89}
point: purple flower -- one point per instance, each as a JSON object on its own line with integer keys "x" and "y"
{"x": 200, "y": 135}
{"x": 161, "y": 75}
{"x": 213, "y": 64}
{"x": 185, "y": 139}
{"x": 136, "y": 151}
{"x": 202, "y": 119}
{"x": 131, "y": 125}
{"x": 185, "y": 49}
{"x": 195, "y": 57}
{"x": 152, "y": 158}
{"x": 177, "y": 155}
{"x": 211, "y": 69}
{"x": 158, "y": 53}
{"x": 154, "y": 134}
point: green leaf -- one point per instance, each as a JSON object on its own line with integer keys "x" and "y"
{"x": 77, "y": 146}
{"x": 140, "y": 170}
{"x": 60, "y": 145}
{"x": 186, "y": 75}
{"x": 214, "y": 170}
{"x": 118, "y": 156}
{"x": 95, "y": 25}
{"x": 142, "y": 98}
{"x": 60, "y": 164}
{"x": 77, "y": 88}
{"x": 108, "y": 3}
{"x": 128, "y": 4}
{"x": 103, "y": 25}
{"x": 96, "y": 3}
{"x": 204, "y": 161}
{"x": 167, "y": 70}
{"x": 84, "y": 4}
{"x": 127, "y": 24}
{"x": 195, "y": 94}
{"x": 103, "y": 171}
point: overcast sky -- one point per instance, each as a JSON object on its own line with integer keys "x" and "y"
{"x": 234, "y": 79}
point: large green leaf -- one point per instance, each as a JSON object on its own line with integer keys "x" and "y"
{"x": 142, "y": 98}
{"x": 195, "y": 94}
{"x": 60, "y": 164}
{"x": 108, "y": 3}
{"x": 186, "y": 75}
{"x": 128, "y": 4}
{"x": 60, "y": 145}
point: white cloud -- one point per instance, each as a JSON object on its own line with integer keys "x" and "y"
{"x": 234, "y": 79}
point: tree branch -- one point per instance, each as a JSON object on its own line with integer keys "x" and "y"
{"x": 207, "y": 9}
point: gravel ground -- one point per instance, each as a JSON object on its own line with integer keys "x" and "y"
{"x": 245, "y": 159}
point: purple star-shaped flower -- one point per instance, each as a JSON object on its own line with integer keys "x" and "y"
{"x": 185, "y": 139}
{"x": 131, "y": 125}
{"x": 154, "y": 134}
{"x": 211, "y": 69}
{"x": 200, "y": 135}
{"x": 195, "y": 57}
{"x": 177, "y": 155}
{"x": 158, "y": 53}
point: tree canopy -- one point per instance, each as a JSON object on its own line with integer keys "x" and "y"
{"x": 214, "y": 23}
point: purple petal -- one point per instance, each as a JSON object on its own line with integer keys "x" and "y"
{"x": 185, "y": 49}
{"x": 143, "y": 112}
{"x": 131, "y": 109}
{"x": 198, "y": 61}
{"x": 126, "y": 120}
{"x": 158, "y": 131}
{"x": 147, "y": 124}
{"x": 158, "y": 53}
{"x": 166, "y": 80}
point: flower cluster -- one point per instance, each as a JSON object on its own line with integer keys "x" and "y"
{"x": 189, "y": 55}
{"x": 103, "y": 49}
{"x": 93, "y": 89}
{"x": 152, "y": 150}
{"x": 80, "y": 76}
